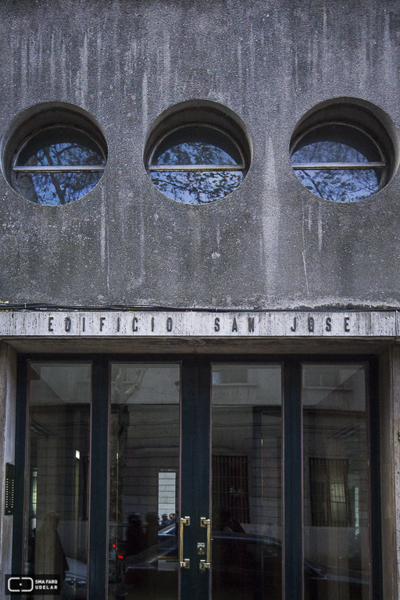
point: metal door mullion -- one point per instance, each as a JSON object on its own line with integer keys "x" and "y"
{"x": 372, "y": 385}
{"x": 98, "y": 568}
{"x": 293, "y": 482}
{"x": 20, "y": 476}
{"x": 195, "y": 472}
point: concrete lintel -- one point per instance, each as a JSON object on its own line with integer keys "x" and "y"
{"x": 173, "y": 324}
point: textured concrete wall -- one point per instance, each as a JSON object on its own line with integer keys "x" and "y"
{"x": 269, "y": 244}
{"x": 7, "y": 432}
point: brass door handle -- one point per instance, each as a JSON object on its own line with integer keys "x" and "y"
{"x": 206, "y": 564}
{"x": 183, "y": 562}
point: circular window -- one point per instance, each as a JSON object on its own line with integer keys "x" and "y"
{"x": 340, "y": 160}
{"x": 198, "y": 162}
{"x": 60, "y": 161}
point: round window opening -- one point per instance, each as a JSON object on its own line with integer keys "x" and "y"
{"x": 340, "y": 160}
{"x": 54, "y": 154}
{"x": 198, "y": 162}
{"x": 58, "y": 165}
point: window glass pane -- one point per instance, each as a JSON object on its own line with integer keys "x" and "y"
{"x": 336, "y": 521}
{"x": 56, "y": 516}
{"x": 246, "y": 482}
{"x": 144, "y": 479}
{"x": 56, "y": 188}
{"x": 341, "y": 185}
{"x": 336, "y": 143}
{"x": 196, "y": 187}
{"x": 197, "y": 145}
{"x": 60, "y": 146}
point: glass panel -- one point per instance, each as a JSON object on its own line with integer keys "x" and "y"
{"x": 336, "y": 143}
{"x": 55, "y": 189}
{"x": 336, "y": 520}
{"x": 144, "y": 479}
{"x": 197, "y": 145}
{"x": 58, "y": 146}
{"x": 56, "y": 517}
{"x": 196, "y": 187}
{"x": 246, "y": 482}
{"x": 341, "y": 185}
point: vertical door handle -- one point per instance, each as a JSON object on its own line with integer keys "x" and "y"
{"x": 183, "y": 562}
{"x": 206, "y": 564}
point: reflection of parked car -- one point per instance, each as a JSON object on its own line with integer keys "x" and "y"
{"x": 155, "y": 566}
{"x": 243, "y": 563}
{"x": 74, "y": 585}
{"x": 167, "y": 538}
{"x": 255, "y": 564}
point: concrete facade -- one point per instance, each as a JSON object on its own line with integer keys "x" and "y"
{"x": 270, "y": 246}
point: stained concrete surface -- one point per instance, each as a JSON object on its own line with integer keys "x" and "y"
{"x": 271, "y": 243}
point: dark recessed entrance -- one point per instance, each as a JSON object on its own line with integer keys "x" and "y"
{"x": 164, "y": 478}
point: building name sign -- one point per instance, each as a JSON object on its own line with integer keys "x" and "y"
{"x": 199, "y": 324}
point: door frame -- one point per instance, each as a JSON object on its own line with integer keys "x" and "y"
{"x": 196, "y": 393}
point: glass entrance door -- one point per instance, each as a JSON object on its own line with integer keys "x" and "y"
{"x": 144, "y": 457}
{"x": 247, "y": 515}
{"x": 198, "y": 478}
